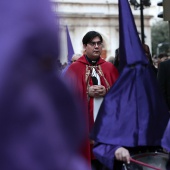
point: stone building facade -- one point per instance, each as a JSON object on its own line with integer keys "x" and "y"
{"x": 82, "y": 16}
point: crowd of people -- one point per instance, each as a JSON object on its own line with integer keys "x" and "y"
{"x": 155, "y": 60}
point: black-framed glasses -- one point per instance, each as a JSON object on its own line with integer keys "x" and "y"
{"x": 98, "y": 43}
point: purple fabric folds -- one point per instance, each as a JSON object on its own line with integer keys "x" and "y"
{"x": 133, "y": 112}
{"x": 105, "y": 153}
{"x": 41, "y": 127}
{"x": 166, "y": 138}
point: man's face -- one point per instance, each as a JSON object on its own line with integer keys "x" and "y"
{"x": 94, "y": 48}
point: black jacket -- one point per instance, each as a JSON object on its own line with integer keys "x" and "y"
{"x": 164, "y": 80}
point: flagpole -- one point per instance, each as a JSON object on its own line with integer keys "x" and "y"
{"x": 142, "y": 22}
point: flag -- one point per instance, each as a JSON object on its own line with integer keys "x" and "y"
{"x": 70, "y": 51}
{"x": 69, "y": 47}
{"x": 133, "y": 112}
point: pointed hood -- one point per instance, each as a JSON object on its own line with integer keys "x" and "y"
{"x": 131, "y": 51}
{"x": 133, "y": 112}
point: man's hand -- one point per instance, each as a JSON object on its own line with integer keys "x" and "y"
{"x": 122, "y": 154}
{"x": 97, "y": 91}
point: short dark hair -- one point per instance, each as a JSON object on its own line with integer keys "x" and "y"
{"x": 161, "y": 55}
{"x": 89, "y": 36}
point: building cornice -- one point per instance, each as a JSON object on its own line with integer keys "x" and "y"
{"x": 87, "y": 15}
{"x": 87, "y": 2}
{"x": 90, "y": 9}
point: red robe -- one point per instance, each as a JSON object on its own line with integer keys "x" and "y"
{"x": 79, "y": 74}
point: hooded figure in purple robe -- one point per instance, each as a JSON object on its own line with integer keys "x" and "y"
{"x": 41, "y": 127}
{"x": 133, "y": 114}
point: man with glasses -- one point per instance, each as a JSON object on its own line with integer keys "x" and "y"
{"x": 92, "y": 77}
